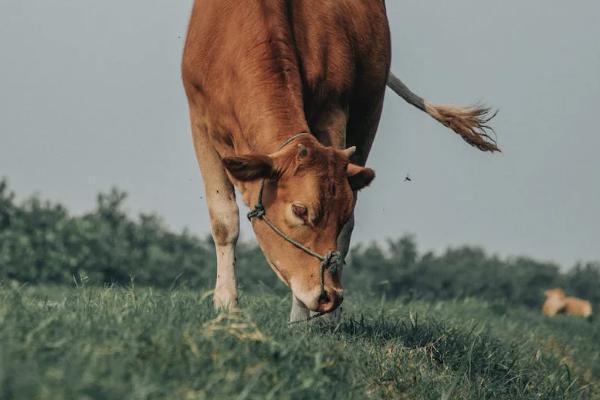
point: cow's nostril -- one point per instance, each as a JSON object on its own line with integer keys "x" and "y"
{"x": 324, "y": 298}
{"x": 329, "y": 301}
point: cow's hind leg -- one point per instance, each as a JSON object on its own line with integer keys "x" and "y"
{"x": 329, "y": 126}
{"x": 224, "y": 216}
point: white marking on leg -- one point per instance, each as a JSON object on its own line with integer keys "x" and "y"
{"x": 224, "y": 216}
{"x": 299, "y": 311}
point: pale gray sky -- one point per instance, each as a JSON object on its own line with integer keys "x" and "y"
{"x": 90, "y": 97}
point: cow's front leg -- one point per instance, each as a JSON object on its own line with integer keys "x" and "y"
{"x": 299, "y": 311}
{"x": 224, "y": 218}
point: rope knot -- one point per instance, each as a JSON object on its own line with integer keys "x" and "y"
{"x": 257, "y": 212}
{"x": 331, "y": 261}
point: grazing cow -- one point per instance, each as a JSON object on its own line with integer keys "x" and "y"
{"x": 557, "y": 302}
{"x": 277, "y": 90}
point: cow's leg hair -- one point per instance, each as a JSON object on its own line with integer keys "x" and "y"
{"x": 224, "y": 217}
{"x": 299, "y": 312}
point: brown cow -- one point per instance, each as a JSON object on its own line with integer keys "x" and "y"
{"x": 276, "y": 90}
{"x": 557, "y": 302}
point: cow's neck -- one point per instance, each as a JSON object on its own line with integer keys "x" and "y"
{"x": 271, "y": 109}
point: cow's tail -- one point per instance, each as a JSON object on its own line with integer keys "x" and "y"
{"x": 471, "y": 123}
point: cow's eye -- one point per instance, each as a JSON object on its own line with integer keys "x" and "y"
{"x": 300, "y": 211}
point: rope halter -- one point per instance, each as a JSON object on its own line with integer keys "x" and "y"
{"x": 330, "y": 261}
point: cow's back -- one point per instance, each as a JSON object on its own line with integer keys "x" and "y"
{"x": 575, "y": 306}
{"x": 343, "y": 47}
{"x": 259, "y": 66}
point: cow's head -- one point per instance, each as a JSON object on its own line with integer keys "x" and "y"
{"x": 555, "y": 293}
{"x": 308, "y": 194}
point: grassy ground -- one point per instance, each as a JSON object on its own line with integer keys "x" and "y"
{"x": 85, "y": 343}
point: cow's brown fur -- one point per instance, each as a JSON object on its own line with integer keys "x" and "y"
{"x": 557, "y": 302}
{"x": 257, "y": 72}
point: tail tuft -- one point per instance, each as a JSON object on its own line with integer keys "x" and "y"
{"x": 471, "y": 123}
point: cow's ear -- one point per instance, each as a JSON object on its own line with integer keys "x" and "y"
{"x": 249, "y": 167}
{"x": 359, "y": 177}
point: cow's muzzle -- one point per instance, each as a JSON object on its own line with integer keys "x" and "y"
{"x": 329, "y": 300}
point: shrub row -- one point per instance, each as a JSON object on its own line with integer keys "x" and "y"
{"x": 41, "y": 242}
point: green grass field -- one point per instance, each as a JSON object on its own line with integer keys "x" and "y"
{"x": 90, "y": 343}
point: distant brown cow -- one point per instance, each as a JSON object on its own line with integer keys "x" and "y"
{"x": 557, "y": 302}
{"x": 277, "y": 90}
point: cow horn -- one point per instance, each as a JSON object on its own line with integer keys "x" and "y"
{"x": 349, "y": 151}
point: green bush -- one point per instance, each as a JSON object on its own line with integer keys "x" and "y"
{"x": 399, "y": 271}
{"x": 40, "y": 242}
